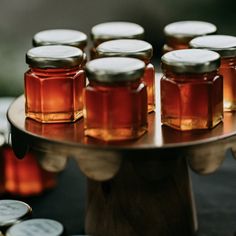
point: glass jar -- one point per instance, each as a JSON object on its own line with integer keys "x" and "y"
{"x": 179, "y": 34}
{"x": 37, "y": 227}
{"x": 114, "y": 30}
{"x": 115, "y": 99}
{"x": 19, "y": 177}
{"x": 67, "y": 37}
{"x": 136, "y": 49}
{"x": 191, "y": 89}
{"x": 12, "y": 212}
{"x": 54, "y": 84}
{"x": 226, "y": 46}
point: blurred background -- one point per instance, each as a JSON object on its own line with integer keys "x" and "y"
{"x": 20, "y": 20}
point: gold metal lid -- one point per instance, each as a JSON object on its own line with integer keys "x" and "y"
{"x": 125, "y": 48}
{"x": 116, "y": 30}
{"x": 55, "y": 56}
{"x": 191, "y": 61}
{"x": 37, "y": 227}
{"x": 225, "y": 45}
{"x": 186, "y": 30}
{"x": 13, "y": 211}
{"x": 60, "y": 37}
{"x": 115, "y": 69}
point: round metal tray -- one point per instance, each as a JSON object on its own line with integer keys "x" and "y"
{"x": 205, "y": 149}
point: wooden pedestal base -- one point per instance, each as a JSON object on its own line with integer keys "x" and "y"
{"x": 148, "y": 196}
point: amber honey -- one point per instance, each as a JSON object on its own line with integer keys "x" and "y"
{"x": 228, "y": 70}
{"x": 24, "y": 177}
{"x": 179, "y": 34}
{"x": 114, "y": 30}
{"x": 225, "y": 45}
{"x": 191, "y": 90}
{"x": 136, "y": 49}
{"x": 115, "y": 99}
{"x": 54, "y": 86}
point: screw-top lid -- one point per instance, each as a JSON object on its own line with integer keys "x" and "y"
{"x": 55, "y": 56}
{"x": 37, "y": 227}
{"x": 125, "y": 48}
{"x": 60, "y": 37}
{"x": 115, "y": 69}
{"x": 186, "y": 30}
{"x": 12, "y": 211}
{"x": 225, "y": 45}
{"x": 191, "y": 61}
{"x": 116, "y": 30}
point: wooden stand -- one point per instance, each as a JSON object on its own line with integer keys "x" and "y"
{"x": 146, "y": 197}
{"x": 138, "y": 188}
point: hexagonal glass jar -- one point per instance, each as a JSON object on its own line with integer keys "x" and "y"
{"x": 54, "y": 84}
{"x": 178, "y": 34}
{"x": 116, "y": 99}
{"x": 136, "y": 49}
{"x": 225, "y": 45}
{"x": 191, "y": 89}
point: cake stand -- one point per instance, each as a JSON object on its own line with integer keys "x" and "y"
{"x": 140, "y": 187}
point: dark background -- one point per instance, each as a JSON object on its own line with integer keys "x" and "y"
{"x": 21, "y": 19}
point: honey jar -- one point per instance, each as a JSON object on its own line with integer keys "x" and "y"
{"x": 225, "y": 45}
{"x": 54, "y": 84}
{"x": 191, "y": 89}
{"x": 179, "y": 34}
{"x": 115, "y": 99}
{"x": 12, "y": 212}
{"x": 114, "y": 30}
{"x": 20, "y": 177}
{"x": 67, "y": 37}
{"x": 136, "y": 49}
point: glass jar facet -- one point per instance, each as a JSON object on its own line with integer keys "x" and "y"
{"x": 54, "y": 95}
{"x": 192, "y": 101}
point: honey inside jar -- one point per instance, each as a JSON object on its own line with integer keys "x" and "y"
{"x": 191, "y": 89}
